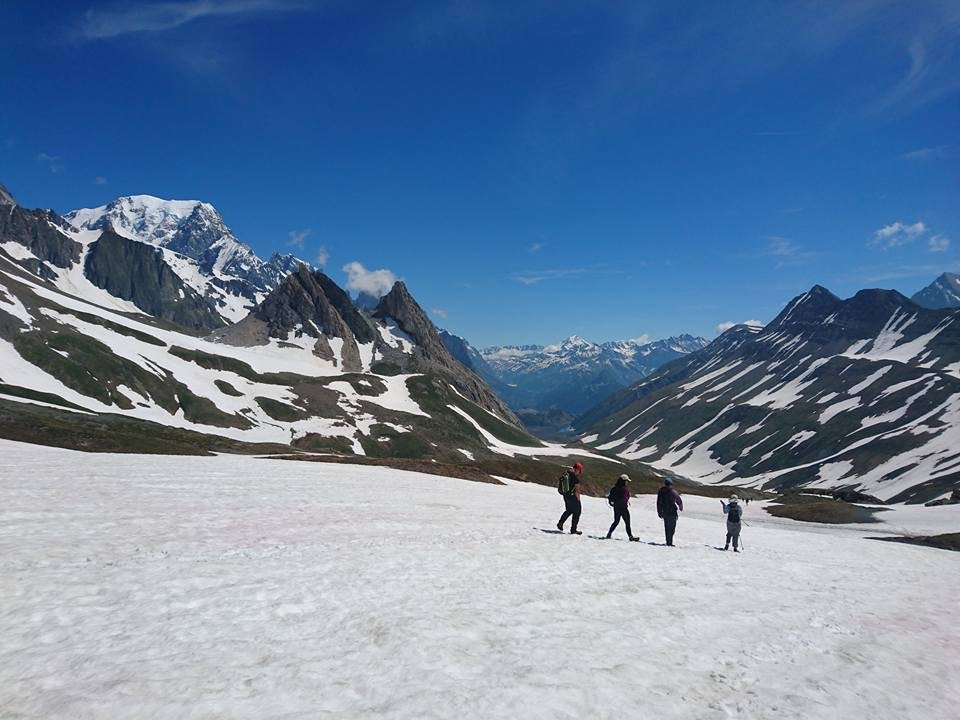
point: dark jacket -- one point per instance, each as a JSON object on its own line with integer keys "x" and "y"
{"x": 668, "y": 501}
{"x": 621, "y": 496}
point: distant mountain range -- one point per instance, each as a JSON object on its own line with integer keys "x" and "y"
{"x": 862, "y": 394}
{"x": 569, "y": 377}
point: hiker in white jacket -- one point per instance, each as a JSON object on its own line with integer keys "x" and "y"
{"x": 734, "y": 512}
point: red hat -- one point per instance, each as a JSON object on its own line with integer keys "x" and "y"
{"x": 577, "y": 467}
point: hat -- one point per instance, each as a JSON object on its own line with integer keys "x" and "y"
{"x": 667, "y": 481}
{"x": 577, "y": 467}
{"x": 734, "y": 498}
{"x": 624, "y": 477}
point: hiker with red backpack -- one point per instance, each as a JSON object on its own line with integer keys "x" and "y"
{"x": 619, "y": 500}
{"x": 569, "y": 487}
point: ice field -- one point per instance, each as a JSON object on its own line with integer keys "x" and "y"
{"x": 232, "y": 587}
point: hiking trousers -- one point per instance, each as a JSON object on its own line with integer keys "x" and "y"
{"x": 620, "y": 512}
{"x": 572, "y": 503}
{"x": 733, "y": 533}
{"x": 669, "y": 527}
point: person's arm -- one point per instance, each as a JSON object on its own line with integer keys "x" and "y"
{"x": 676, "y": 496}
{"x": 576, "y": 488}
{"x": 726, "y": 510}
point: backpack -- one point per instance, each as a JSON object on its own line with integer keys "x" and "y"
{"x": 564, "y": 486}
{"x": 734, "y": 512}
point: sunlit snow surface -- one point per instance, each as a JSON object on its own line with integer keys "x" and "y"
{"x": 231, "y": 587}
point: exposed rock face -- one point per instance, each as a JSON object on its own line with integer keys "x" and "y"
{"x": 309, "y": 303}
{"x": 37, "y": 231}
{"x": 137, "y": 272}
{"x": 430, "y": 353}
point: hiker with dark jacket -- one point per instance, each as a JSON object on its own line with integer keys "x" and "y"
{"x": 619, "y": 499}
{"x": 668, "y": 503}
{"x": 570, "y": 489}
{"x": 734, "y": 514}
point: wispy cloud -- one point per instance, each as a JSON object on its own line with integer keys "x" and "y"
{"x": 787, "y": 252}
{"x": 99, "y": 180}
{"x": 53, "y": 162}
{"x": 533, "y": 277}
{"x": 873, "y": 275}
{"x": 536, "y": 247}
{"x": 372, "y": 282}
{"x": 153, "y": 17}
{"x": 938, "y": 243}
{"x": 897, "y": 233}
{"x": 296, "y": 238}
{"x": 322, "y": 256}
{"x": 440, "y": 313}
{"x": 929, "y": 153}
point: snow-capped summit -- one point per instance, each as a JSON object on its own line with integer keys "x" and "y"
{"x": 944, "y": 292}
{"x": 198, "y": 245}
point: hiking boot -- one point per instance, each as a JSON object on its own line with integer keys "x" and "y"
{"x": 560, "y": 527}
{"x": 576, "y": 532}
{"x": 608, "y": 536}
{"x": 726, "y": 547}
{"x": 736, "y": 550}
{"x": 634, "y": 539}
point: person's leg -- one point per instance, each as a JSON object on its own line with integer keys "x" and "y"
{"x": 726, "y": 545}
{"x": 626, "y": 521}
{"x": 671, "y": 527}
{"x": 576, "y": 514}
{"x": 736, "y": 540}
{"x": 567, "y": 512}
{"x": 616, "y": 521}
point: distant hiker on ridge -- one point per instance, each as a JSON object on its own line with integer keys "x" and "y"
{"x": 569, "y": 487}
{"x": 668, "y": 503}
{"x": 734, "y": 514}
{"x": 619, "y": 499}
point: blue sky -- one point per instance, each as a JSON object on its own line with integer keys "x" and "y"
{"x": 532, "y": 170}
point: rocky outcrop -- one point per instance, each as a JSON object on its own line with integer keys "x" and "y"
{"x": 137, "y": 272}
{"x": 430, "y": 354}
{"x": 36, "y": 230}
{"x": 309, "y": 303}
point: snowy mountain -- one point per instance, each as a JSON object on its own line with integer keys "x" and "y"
{"x": 197, "y": 245}
{"x": 576, "y": 374}
{"x": 944, "y": 292}
{"x": 104, "y": 347}
{"x": 861, "y": 393}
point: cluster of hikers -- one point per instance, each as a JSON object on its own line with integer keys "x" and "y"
{"x": 669, "y": 506}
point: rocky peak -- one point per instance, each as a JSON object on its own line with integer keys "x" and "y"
{"x": 6, "y": 199}
{"x": 399, "y": 305}
{"x": 944, "y": 292}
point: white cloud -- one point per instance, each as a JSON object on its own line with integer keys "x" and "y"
{"x": 372, "y": 282}
{"x": 724, "y": 326}
{"x": 928, "y": 153}
{"x": 939, "y": 243}
{"x": 642, "y": 339}
{"x": 52, "y": 162}
{"x": 535, "y": 248}
{"x": 295, "y": 238}
{"x": 322, "y": 256}
{"x": 897, "y": 233}
{"x": 140, "y": 17}
{"x": 440, "y": 313}
{"x": 99, "y": 180}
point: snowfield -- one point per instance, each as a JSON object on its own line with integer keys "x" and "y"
{"x": 231, "y": 587}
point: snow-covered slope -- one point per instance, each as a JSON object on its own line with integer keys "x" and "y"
{"x": 230, "y": 587}
{"x": 861, "y": 393}
{"x": 197, "y": 244}
{"x": 577, "y": 374}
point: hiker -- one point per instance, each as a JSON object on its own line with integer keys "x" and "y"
{"x": 569, "y": 487}
{"x": 668, "y": 503}
{"x": 734, "y": 514}
{"x": 619, "y": 499}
